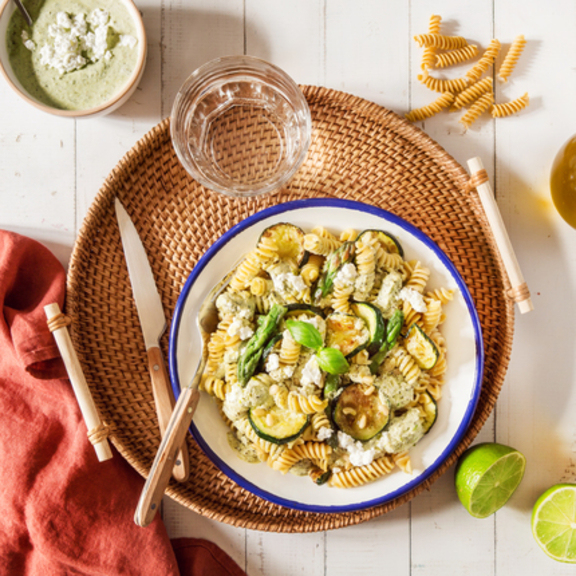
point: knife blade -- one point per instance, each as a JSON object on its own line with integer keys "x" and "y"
{"x": 153, "y": 324}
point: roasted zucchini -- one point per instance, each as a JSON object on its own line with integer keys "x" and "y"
{"x": 277, "y": 425}
{"x": 421, "y": 347}
{"x": 288, "y": 242}
{"x": 375, "y": 323}
{"x": 430, "y": 410}
{"x": 361, "y": 415}
{"x": 346, "y": 332}
{"x": 296, "y": 309}
{"x": 389, "y": 242}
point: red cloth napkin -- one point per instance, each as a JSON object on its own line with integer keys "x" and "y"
{"x": 63, "y": 512}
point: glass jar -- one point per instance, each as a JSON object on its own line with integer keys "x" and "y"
{"x": 563, "y": 181}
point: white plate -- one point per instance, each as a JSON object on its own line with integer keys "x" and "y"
{"x": 461, "y": 330}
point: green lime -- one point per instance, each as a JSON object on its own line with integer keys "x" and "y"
{"x": 554, "y": 522}
{"x": 486, "y": 476}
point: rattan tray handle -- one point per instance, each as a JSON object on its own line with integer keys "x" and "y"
{"x": 97, "y": 431}
{"x": 479, "y": 180}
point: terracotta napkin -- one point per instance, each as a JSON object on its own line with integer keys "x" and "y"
{"x": 63, "y": 512}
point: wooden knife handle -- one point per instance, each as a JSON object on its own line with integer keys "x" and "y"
{"x": 164, "y": 400}
{"x": 159, "y": 475}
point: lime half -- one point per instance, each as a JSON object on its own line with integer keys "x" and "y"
{"x": 486, "y": 476}
{"x": 554, "y": 522}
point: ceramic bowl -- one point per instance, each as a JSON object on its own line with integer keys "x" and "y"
{"x": 461, "y": 330}
{"x": 7, "y": 7}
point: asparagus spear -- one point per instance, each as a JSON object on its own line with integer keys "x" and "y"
{"x": 334, "y": 262}
{"x": 252, "y": 352}
{"x": 392, "y": 332}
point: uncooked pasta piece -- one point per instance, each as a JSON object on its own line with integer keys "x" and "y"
{"x": 440, "y": 41}
{"x": 437, "y": 85}
{"x": 485, "y": 62}
{"x": 480, "y": 106}
{"x": 453, "y": 57}
{"x": 472, "y": 93}
{"x": 511, "y": 58}
{"x": 512, "y": 107}
{"x": 429, "y": 55}
{"x": 431, "y": 109}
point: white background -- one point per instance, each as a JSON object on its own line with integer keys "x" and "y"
{"x": 51, "y": 169}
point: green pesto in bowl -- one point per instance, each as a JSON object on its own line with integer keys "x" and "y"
{"x": 94, "y": 82}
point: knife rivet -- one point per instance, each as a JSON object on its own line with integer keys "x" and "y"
{"x": 156, "y": 367}
{"x": 189, "y": 410}
{"x": 153, "y": 506}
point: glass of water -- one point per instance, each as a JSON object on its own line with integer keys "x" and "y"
{"x": 241, "y": 126}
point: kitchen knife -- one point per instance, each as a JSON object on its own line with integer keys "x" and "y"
{"x": 153, "y": 323}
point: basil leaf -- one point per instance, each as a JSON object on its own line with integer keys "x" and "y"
{"x": 332, "y": 361}
{"x": 304, "y": 333}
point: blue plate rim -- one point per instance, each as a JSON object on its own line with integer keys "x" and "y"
{"x": 385, "y": 215}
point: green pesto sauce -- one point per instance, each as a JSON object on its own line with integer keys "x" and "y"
{"x": 81, "y": 89}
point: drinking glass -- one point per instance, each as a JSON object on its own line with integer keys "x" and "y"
{"x": 241, "y": 126}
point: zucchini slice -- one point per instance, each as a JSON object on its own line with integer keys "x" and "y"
{"x": 359, "y": 415}
{"x": 320, "y": 477}
{"x": 347, "y": 332}
{"x": 296, "y": 309}
{"x": 421, "y": 348}
{"x": 288, "y": 241}
{"x": 334, "y": 262}
{"x": 390, "y": 242}
{"x": 285, "y": 426}
{"x": 430, "y": 410}
{"x": 375, "y": 323}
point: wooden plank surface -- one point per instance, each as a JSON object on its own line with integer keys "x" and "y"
{"x": 51, "y": 169}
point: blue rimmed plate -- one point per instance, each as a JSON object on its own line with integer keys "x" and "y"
{"x": 461, "y": 330}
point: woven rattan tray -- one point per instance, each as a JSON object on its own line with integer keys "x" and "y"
{"x": 359, "y": 151}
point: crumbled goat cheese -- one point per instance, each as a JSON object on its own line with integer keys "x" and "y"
{"x": 359, "y": 456}
{"x": 311, "y": 373}
{"x": 273, "y": 362}
{"x": 288, "y": 282}
{"x": 231, "y": 356}
{"x": 71, "y": 37}
{"x": 240, "y": 304}
{"x": 346, "y": 275}
{"x": 241, "y": 328}
{"x": 415, "y": 299}
{"x": 324, "y": 433}
{"x": 127, "y": 40}
{"x": 27, "y": 42}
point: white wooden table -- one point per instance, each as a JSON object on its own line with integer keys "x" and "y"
{"x": 51, "y": 169}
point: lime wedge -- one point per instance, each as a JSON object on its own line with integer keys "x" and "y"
{"x": 486, "y": 476}
{"x": 554, "y": 522}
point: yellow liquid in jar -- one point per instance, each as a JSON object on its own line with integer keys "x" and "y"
{"x": 563, "y": 182}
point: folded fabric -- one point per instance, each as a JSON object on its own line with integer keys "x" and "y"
{"x": 63, "y": 512}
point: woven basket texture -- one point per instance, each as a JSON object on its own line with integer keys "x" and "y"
{"x": 359, "y": 151}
